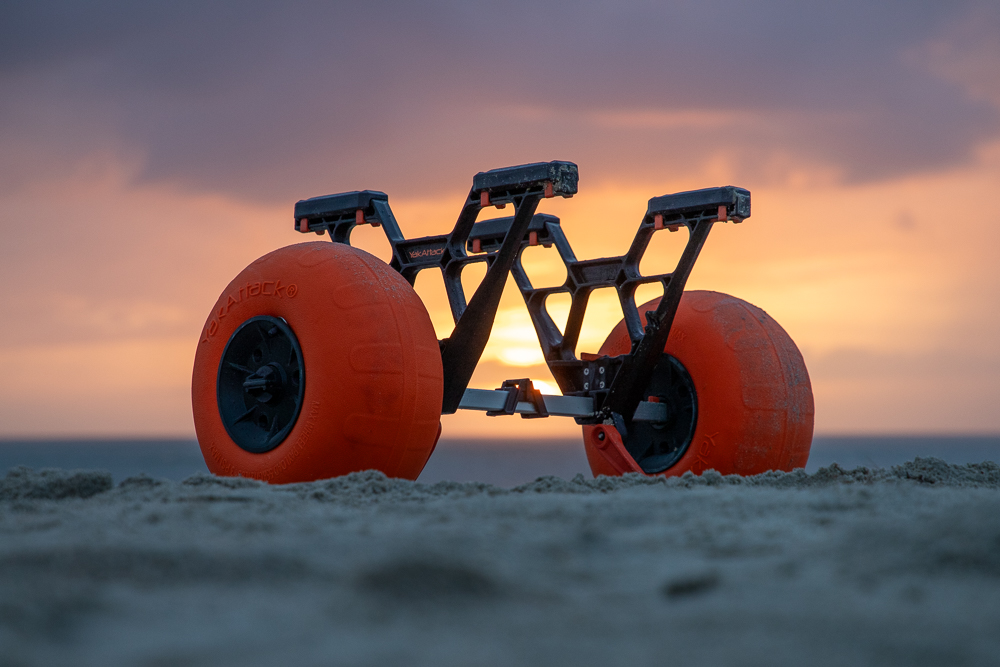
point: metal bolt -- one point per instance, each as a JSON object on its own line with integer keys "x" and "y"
{"x": 586, "y": 386}
{"x": 602, "y": 384}
{"x": 600, "y": 435}
{"x": 586, "y": 371}
{"x": 602, "y": 370}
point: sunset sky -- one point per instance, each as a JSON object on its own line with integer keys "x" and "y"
{"x": 149, "y": 151}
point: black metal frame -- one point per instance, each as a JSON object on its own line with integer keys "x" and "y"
{"x": 500, "y": 242}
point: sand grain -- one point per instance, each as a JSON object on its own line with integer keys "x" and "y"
{"x": 864, "y": 566}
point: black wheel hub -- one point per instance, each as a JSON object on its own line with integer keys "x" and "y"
{"x": 261, "y": 383}
{"x": 656, "y": 447}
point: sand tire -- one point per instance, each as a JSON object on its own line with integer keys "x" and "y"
{"x": 754, "y": 403}
{"x": 317, "y": 360}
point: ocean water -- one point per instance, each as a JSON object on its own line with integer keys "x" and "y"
{"x": 500, "y": 462}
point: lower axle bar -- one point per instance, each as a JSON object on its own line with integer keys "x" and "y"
{"x": 491, "y": 400}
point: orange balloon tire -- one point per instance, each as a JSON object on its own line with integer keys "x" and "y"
{"x": 373, "y": 380}
{"x": 754, "y": 399}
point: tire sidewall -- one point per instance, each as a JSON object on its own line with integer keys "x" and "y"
{"x": 302, "y": 285}
{"x": 741, "y": 363}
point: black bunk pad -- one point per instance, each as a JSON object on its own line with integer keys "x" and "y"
{"x": 491, "y": 233}
{"x": 736, "y": 200}
{"x": 332, "y": 206}
{"x": 562, "y": 175}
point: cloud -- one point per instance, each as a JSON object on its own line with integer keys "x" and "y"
{"x": 282, "y": 102}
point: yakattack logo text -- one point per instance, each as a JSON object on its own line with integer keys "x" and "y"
{"x": 703, "y": 454}
{"x": 426, "y": 252}
{"x": 263, "y": 288}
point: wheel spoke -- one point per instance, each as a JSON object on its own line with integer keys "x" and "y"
{"x": 246, "y": 414}
{"x": 262, "y": 328}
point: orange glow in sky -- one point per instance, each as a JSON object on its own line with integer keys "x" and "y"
{"x": 889, "y": 290}
{"x": 138, "y": 176}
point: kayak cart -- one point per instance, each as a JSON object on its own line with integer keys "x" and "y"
{"x": 319, "y": 359}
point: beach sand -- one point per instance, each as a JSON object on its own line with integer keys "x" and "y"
{"x": 893, "y": 566}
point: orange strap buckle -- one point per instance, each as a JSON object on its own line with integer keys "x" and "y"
{"x": 477, "y": 245}
{"x": 532, "y": 238}
{"x": 549, "y": 192}
{"x": 484, "y": 201}
{"x": 723, "y": 214}
{"x": 359, "y": 219}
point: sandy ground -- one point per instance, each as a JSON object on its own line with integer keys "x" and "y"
{"x": 866, "y": 567}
